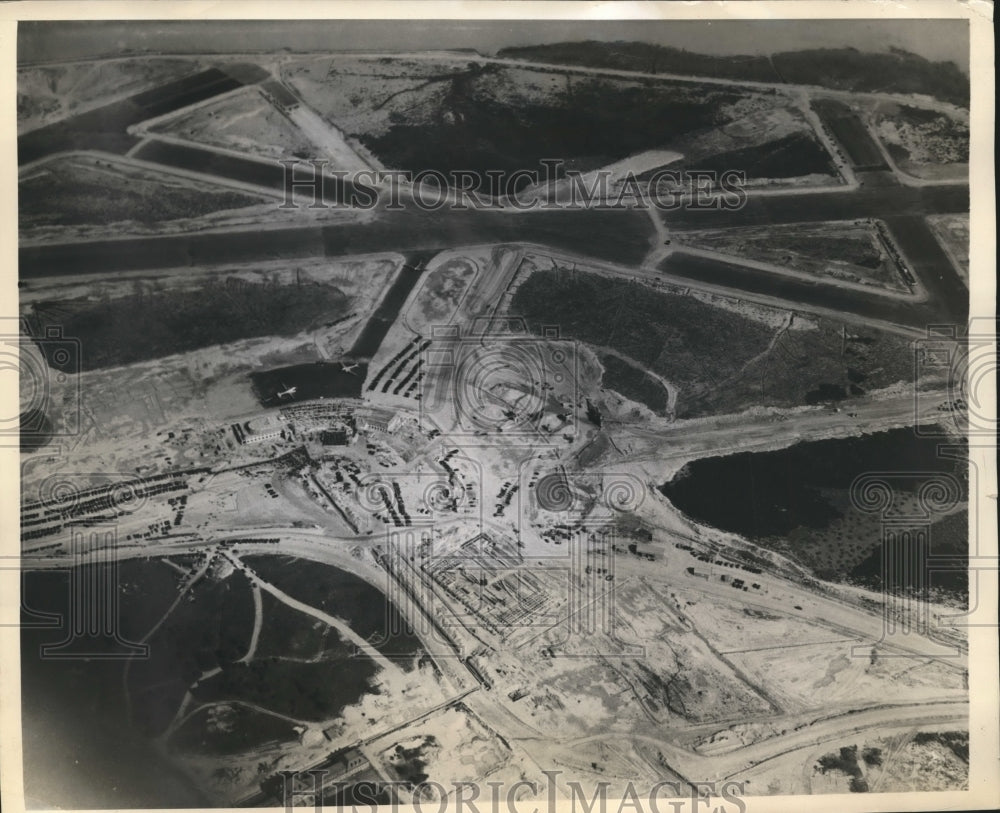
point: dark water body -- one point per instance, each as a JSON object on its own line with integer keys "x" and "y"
{"x": 851, "y": 133}
{"x": 788, "y": 157}
{"x": 320, "y": 379}
{"x": 952, "y": 306}
{"x": 622, "y": 236}
{"x": 950, "y": 546}
{"x": 245, "y": 729}
{"x": 258, "y": 172}
{"x": 303, "y": 691}
{"x": 768, "y": 494}
{"x": 781, "y": 286}
{"x": 80, "y": 748}
{"x": 83, "y": 748}
{"x": 210, "y": 629}
{"x": 926, "y": 258}
{"x": 182, "y": 251}
{"x": 370, "y": 339}
{"x": 195, "y": 159}
{"x": 104, "y": 128}
{"x": 812, "y": 207}
{"x": 343, "y": 595}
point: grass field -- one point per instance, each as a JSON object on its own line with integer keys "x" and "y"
{"x": 46, "y": 92}
{"x": 244, "y": 121}
{"x": 923, "y": 142}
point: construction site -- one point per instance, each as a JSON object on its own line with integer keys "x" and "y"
{"x": 374, "y": 503}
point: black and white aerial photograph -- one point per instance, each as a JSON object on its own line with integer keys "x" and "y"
{"x": 436, "y": 412}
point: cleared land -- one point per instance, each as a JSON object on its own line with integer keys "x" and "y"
{"x": 242, "y": 121}
{"x": 921, "y": 761}
{"x": 952, "y": 231}
{"x": 441, "y": 292}
{"x": 46, "y": 93}
{"x": 924, "y": 143}
{"x": 485, "y": 116}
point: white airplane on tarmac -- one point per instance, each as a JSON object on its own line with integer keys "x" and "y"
{"x": 289, "y": 391}
{"x": 349, "y": 368}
